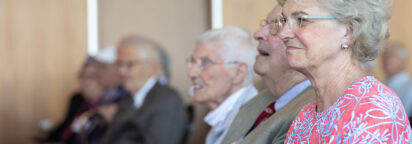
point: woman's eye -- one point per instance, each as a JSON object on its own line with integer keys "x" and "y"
{"x": 302, "y": 20}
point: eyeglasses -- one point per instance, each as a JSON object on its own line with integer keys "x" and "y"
{"x": 272, "y": 25}
{"x": 298, "y": 20}
{"x": 204, "y": 62}
{"x": 129, "y": 64}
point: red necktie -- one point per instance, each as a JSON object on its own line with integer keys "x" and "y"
{"x": 266, "y": 113}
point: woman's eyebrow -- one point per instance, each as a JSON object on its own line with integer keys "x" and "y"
{"x": 299, "y": 13}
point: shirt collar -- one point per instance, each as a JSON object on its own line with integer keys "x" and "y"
{"x": 291, "y": 94}
{"x": 220, "y": 114}
{"x": 139, "y": 97}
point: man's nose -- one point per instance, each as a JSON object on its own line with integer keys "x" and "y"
{"x": 261, "y": 33}
{"x": 194, "y": 71}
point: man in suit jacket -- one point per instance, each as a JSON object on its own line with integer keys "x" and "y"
{"x": 154, "y": 113}
{"x": 221, "y": 71}
{"x": 267, "y": 117}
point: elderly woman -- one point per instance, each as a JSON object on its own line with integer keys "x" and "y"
{"x": 328, "y": 41}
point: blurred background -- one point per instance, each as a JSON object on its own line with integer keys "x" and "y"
{"x": 44, "y": 42}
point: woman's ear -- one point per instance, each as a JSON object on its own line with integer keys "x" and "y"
{"x": 347, "y": 37}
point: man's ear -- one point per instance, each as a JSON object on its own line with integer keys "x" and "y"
{"x": 241, "y": 73}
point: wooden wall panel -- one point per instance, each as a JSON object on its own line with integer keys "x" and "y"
{"x": 42, "y": 45}
{"x": 246, "y": 14}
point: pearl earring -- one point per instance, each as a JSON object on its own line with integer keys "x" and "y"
{"x": 345, "y": 46}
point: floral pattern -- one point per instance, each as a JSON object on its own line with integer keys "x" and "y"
{"x": 367, "y": 112}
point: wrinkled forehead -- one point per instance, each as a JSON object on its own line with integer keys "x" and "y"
{"x": 209, "y": 50}
{"x": 303, "y": 7}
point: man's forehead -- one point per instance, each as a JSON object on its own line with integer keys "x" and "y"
{"x": 276, "y": 11}
{"x": 127, "y": 52}
{"x": 209, "y": 50}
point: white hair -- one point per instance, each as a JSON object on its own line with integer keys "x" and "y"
{"x": 236, "y": 44}
{"x": 107, "y": 55}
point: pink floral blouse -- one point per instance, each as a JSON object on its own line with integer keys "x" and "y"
{"x": 367, "y": 112}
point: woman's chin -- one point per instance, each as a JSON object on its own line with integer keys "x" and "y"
{"x": 296, "y": 63}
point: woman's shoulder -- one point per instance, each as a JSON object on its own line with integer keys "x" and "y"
{"x": 369, "y": 87}
{"x": 373, "y": 106}
{"x": 370, "y": 94}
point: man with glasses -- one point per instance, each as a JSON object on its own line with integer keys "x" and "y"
{"x": 221, "y": 71}
{"x": 267, "y": 118}
{"x": 154, "y": 113}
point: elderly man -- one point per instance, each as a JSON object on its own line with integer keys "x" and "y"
{"x": 267, "y": 118}
{"x": 108, "y": 76}
{"x": 155, "y": 112}
{"x": 221, "y": 72}
{"x": 395, "y": 61}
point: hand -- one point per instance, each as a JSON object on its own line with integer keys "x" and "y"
{"x": 107, "y": 112}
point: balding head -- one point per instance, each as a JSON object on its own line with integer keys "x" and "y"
{"x": 148, "y": 49}
{"x": 137, "y": 60}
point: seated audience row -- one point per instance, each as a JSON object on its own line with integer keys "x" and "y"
{"x": 311, "y": 55}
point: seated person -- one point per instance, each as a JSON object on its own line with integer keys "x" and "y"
{"x": 86, "y": 99}
{"x": 395, "y": 61}
{"x": 154, "y": 113}
{"x": 108, "y": 76}
{"x": 221, "y": 71}
{"x": 267, "y": 117}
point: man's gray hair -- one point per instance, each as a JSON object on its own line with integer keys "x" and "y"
{"x": 148, "y": 48}
{"x": 164, "y": 57}
{"x": 236, "y": 44}
{"x": 153, "y": 51}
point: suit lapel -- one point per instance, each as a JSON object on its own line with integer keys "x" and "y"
{"x": 127, "y": 109}
{"x": 247, "y": 116}
{"x": 279, "y": 123}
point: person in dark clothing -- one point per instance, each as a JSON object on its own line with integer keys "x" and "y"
{"x": 85, "y": 99}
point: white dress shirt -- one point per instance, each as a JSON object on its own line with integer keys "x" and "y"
{"x": 221, "y": 118}
{"x": 401, "y": 84}
{"x": 139, "y": 97}
{"x": 291, "y": 94}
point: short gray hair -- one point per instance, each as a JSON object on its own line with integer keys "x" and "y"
{"x": 164, "y": 57}
{"x": 236, "y": 44}
{"x": 148, "y": 48}
{"x": 369, "y": 21}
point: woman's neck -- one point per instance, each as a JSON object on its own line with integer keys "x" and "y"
{"x": 331, "y": 80}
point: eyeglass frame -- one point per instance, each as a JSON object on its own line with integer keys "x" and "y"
{"x": 192, "y": 61}
{"x": 282, "y": 20}
{"x": 131, "y": 63}
{"x": 272, "y": 25}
